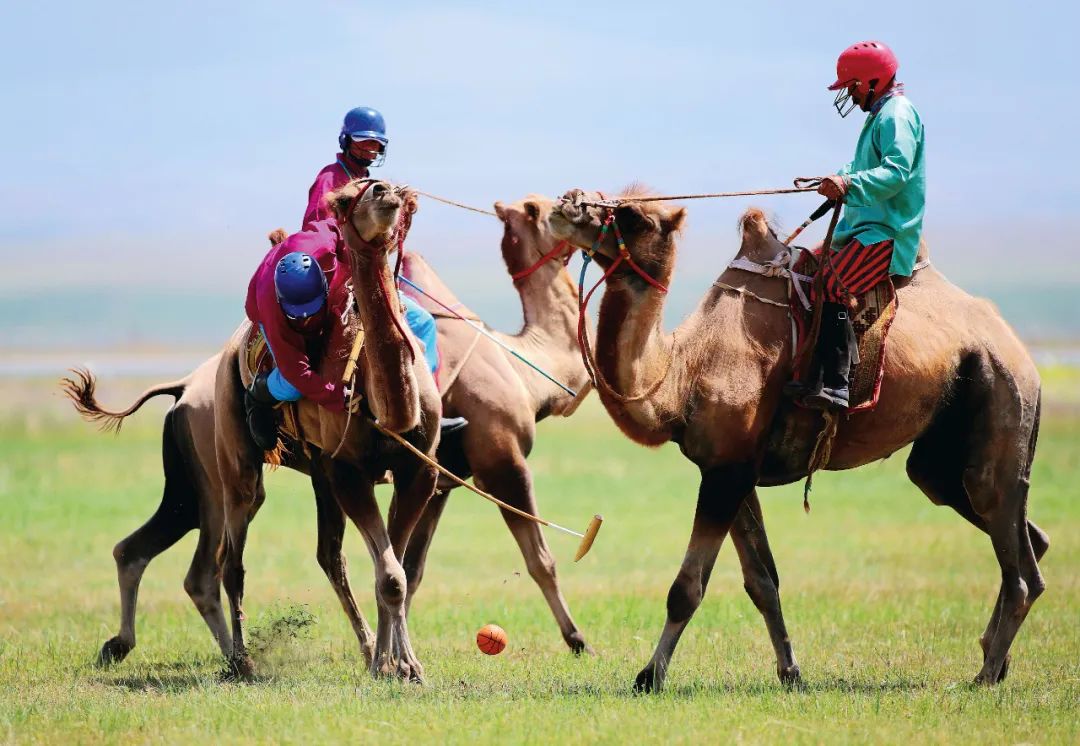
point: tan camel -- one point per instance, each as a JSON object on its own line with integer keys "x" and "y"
{"x": 958, "y": 384}
{"x": 401, "y": 394}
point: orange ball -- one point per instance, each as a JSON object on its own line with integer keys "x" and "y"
{"x": 491, "y": 639}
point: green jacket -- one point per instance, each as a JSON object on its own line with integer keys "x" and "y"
{"x": 887, "y": 184}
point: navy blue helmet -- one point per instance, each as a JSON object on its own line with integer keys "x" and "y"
{"x": 300, "y": 285}
{"x": 364, "y": 123}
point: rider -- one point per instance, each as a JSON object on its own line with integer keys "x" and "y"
{"x": 363, "y": 143}
{"x": 884, "y": 194}
{"x": 296, "y": 290}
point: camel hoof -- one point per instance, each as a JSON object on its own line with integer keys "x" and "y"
{"x": 790, "y": 677}
{"x": 411, "y": 672}
{"x": 113, "y": 651}
{"x": 239, "y": 667}
{"x": 578, "y": 646}
{"x": 647, "y": 681}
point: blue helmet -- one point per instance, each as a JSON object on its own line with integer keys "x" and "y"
{"x": 300, "y": 285}
{"x": 364, "y": 123}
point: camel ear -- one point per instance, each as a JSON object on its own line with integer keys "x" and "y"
{"x": 338, "y": 201}
{"x": 500, "y": 211}
{"x": 532, "y": 210}
{"x": 632, "y": 217}
{"x": 673, "y": 221}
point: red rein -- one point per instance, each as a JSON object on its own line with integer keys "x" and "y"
{"x": 560, "y": 247}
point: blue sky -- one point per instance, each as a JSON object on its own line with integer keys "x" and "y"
{"x": 169, "y": 138}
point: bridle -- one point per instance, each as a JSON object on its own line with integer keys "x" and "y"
{"x": 560, "y": 247}
{"x": 587, "y": 356}
{"x": 395, "y": 240}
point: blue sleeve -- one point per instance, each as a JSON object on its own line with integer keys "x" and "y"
{"x": 423, "y": 326}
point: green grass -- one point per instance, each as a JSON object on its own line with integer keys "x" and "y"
{"x": 885, "y": 596}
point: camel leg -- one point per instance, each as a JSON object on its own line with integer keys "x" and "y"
{"x": 722, "y": 492}
{"x": 355, "y": 493}
{"x": 331, "y": 531}
{"x": 512, "y": 483}
{"x": 762, "y": 583}
{"x": 176, "y": 515}
{"x": 242, "y": 498}
{"x": 940, "y": 464}
{"x": 415, "y": 559}
{"x": 414, "y": 484}
{"x": 203, "y": 586}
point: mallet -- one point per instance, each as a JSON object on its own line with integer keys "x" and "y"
{"x": 824, "y": 208}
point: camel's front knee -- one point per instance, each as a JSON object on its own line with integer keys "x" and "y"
{"x": 392, "y": 588}
{"x": 683, "y": 599}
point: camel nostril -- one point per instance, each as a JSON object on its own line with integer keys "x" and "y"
{"x": 378, "y": 190}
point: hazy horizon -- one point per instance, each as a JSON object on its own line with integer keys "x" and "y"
{"x": 150, "y": 149}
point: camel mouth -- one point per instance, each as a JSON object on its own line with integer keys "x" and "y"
{"x": 579, "y": 224}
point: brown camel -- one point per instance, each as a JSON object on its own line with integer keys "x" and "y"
{"x": 402, "y": 397}
{"x": 497, "y": 394}
{"x": 958, "y": 384}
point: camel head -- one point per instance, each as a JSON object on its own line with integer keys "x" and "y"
{"x": 648, "y": 229}
{"x": 375, "y": 212}
{"x": 527, "y": 241}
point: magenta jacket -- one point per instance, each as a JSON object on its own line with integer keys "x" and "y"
{"x": 323, "y": 241}
{"x": 332, "y": 177}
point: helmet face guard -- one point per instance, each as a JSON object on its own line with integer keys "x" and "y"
{"x": 844, "y": 103}
{"x": 346, "y": 141}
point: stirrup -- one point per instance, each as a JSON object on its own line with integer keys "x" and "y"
{"x": 831, "y": 400}
{"x": 449, "y": 425}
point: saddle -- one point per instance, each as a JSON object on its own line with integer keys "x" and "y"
{"x": 255, "y": 358}
{"x": 871, "y": 318}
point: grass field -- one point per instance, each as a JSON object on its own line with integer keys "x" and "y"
{"x": 885, "y": 596}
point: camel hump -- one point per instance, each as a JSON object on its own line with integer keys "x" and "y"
{"x": 754, "y": 224}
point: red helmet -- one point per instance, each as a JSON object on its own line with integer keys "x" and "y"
{"x": 865, "y": 63}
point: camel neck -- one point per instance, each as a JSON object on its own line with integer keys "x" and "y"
{"x": 549, "y": 336}
{"x": 389, "y": 378}
{"x": 633, "y": 354}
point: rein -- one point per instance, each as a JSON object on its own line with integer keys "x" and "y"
{"x": 560, "y": 247}
{"x": 801, "y": 185}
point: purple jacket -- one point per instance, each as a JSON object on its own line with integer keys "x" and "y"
{"x": 330, "y": 178}
{"x": 323, "y": 241}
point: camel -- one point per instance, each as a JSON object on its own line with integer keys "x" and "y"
{"x": 401, "y": 394}
{"x": 496, "y": 393}
{"x": 958, "y": 385}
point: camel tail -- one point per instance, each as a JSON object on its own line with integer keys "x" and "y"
{"x": 81, "y": 390}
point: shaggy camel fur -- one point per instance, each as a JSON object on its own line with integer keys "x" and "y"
{"x": 401, "y": 394}
{"x": 958, "y": 384}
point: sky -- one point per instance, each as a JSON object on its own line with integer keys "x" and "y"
{"x": 159, "y": 143}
